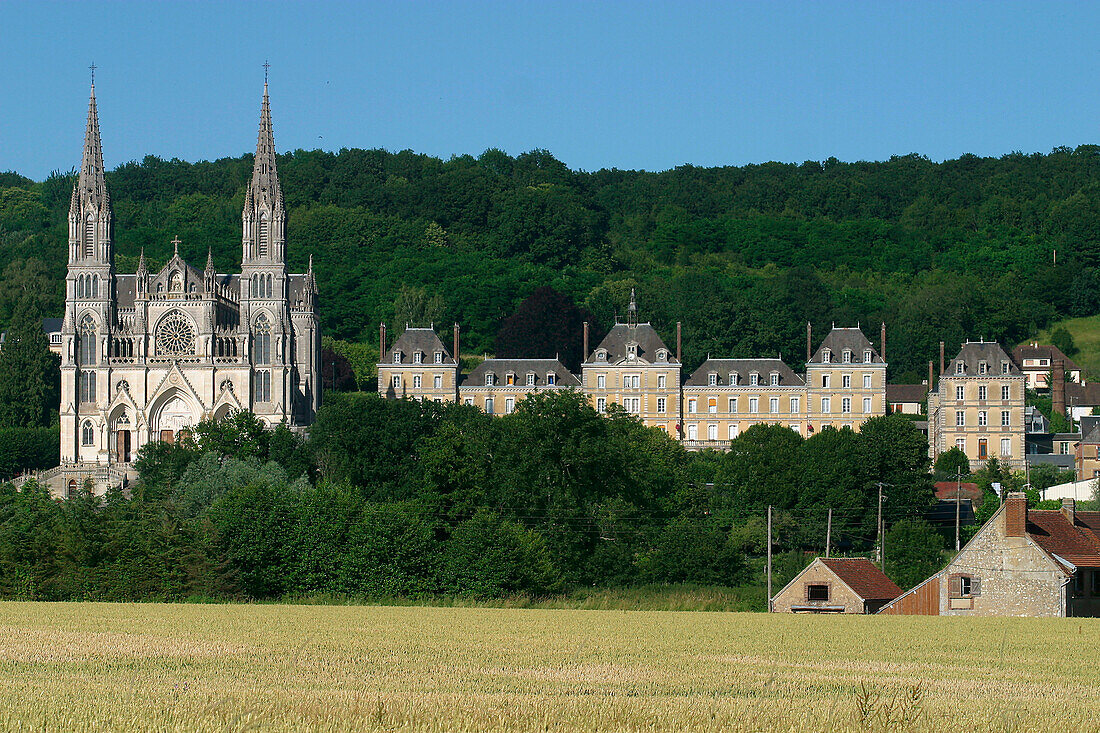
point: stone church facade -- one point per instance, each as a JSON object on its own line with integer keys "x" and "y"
{"x": 146, "y": 356}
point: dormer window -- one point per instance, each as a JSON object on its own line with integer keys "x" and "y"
{"x": 530, "y": 379}
{"x": 960, "y": 368}
{"x": 397, "y": 357}
{"x": 418, "y": 357}
{"x": 551, "y": 378}
{"x": 775, "y": 379}
{"x": 662, "y": 355}
{"x": 867, "y": 356}
{"x": 632, "y": 351}
{"x": 490, "y": 379}
{"x": 733, "y": 378}
{"x": 601, "y": 355}
{"x": 510, "y": 378}
{"x": 439, "y": 357}
{"x": 846, "y": 356}
{"x": 826, "y": 357}
{"x": 983, "y": 368}
{"x": 712, "y": 379}
{"x": 754, "y": 379}
{"x": 1004, "y": 367}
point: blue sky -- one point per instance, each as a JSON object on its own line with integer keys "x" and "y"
{"x": 599, "y": 84}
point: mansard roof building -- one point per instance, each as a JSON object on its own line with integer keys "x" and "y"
{"x": 147, "y": 355}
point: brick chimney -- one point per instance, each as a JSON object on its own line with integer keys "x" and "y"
{"x": 1015, "y": 514}
{"x": 679, "y": 342}
{"x": 584, "y": 356}
{"x": 882, "y": 341}
{"x": 1069, "y": 507}
{"x": 381, "y": 341}
{"x": 455, "y": 352}
{"x": 809, "y": 341}
{"x": 1058, "y": 387}
{"x": 942, "y": 365}
{"x": 930, "y": 378}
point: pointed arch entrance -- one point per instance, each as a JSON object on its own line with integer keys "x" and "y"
{"x": 173, "y": 419}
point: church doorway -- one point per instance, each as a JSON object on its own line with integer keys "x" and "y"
{"x": 122, "y": 440}
{"x": 174, "y": 420}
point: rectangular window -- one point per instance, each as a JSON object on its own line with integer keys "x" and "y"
{"x": 397, "y": 381}
{"x": 1006, "y": 446}
{"x": 983, "y": 418}
{"x": 960, "y": 418}
{"x": 731, "y": 432}
{"x": 825, "y": 381}
{"x": 960, "y": 393}
{"x": 712, "y": 380}
{"x": 983, "y": 392}
{"x": 712, "y": 432}
{"x": 754, "y": 404}
{"x": 1005, "y": 418}
{"x": 437, "y": 381}
{"x": 662, "y": 380}
{"x": 796, "y": 404}
{"x": 468, "y": 401}
{"x": 773, "y": 405}
{"x": 867, "y": 404}
{"x": 490, "y": 379}
{"x": 826, "y": 405}
{"x": 635, "y": 381}
{"x": 439, "y": 357}
{"x": 775, "y": 379}
{"x": 960, "y": 368}
{"x": 509, "y": 405}
{"x": 662, "y": 404}
{"x": 693, "y": 406}
{"x": 960, "y": 443}
{"x": 846, "y": 405}
{"x": 551, "y": 378}
{"x": 1004, "y": 367}
{"x": 983, "y": 449}
{"x": 601, "y": 381}
{"x": 86, "y": 387}
{"x": 1004, "y": 392}
{"x": 418, "y": 357}
{"x": 634, "y": 405}
{"x": 754, "y": 379}
{"x": 983, "y": 368}
{"x": 867, "y": 381}
{"x": 712, "y": 405}
{"x": 846, "y": 381}
{"x": 262, "y": 386}
{"x": 416, "y": 381}
{"x": 732, "y": 404}
{"x": 488, "y": 405}
{"x": 601, "y": 404}
{"x": 817, "y": 593}
{"x": 530, "y": 380}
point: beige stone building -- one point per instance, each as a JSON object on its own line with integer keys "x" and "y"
{"x": 837, "y": 585}
{"x": 418, "y": 365}
{"x": 725, "y": 397}
{"x": 845, "y": 382}
{"x": 1020, "y": 563}
{"x": 498, "y": 385}
{"x": 979, "y": 407}
{"x": 633, "y": 367}
{"x": 1037, "y": 362}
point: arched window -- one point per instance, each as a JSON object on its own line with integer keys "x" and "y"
{"x": 80, "y": 286}
{"x": 72, "y": 487}
{"x": 89, "y": 237}
{"x": 270, "y": 289}
{"x": 263, "y": 235}
{"x": 95, "y": 286}
{"x": 261, "y": 341}
{"x": 86, "y": 342}
{"x": 175, "y": 336}
{"x": 87, "y": 433}
{"x": 175, "y": 283}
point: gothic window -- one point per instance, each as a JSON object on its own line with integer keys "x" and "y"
{"x": 175, "y": 336}
{"x": 262, "y": 386}
{"x": 269, "y": 290}
{"x": 80, "y": 287}
{"x": 86, "y": 387}
{"x": 86, "y": 342}
{"x": 87, "y": 433}
{"x": 261, "y": 341}
{"x": 89, "y": 237}
{"x": 263, "y": 235}
{"x": 95, "y": 286}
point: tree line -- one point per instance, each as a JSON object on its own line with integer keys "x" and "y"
{"x": 743, "y": 256}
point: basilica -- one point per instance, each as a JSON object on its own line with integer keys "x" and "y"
{"x": 146, "y": 356}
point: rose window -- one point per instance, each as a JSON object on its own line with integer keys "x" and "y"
{"x": 175, "y": 336}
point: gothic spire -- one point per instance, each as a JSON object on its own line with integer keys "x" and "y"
{"x": 210, "y": 260}
{"x": 142, "y": 268}
{"x": 90, "y": 206}
{"x": 264, "y": 216}
{"x": 92, "y": 184}
{"x": 265, "y": 180}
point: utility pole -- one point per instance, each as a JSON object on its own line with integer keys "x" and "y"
{"x": 769, "y": 558}
{"x": 879, "y": 524}
{"x": 958, "y": 497}
{"x": 829, "y": 532}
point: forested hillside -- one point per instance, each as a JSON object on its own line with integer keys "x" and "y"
{"x": 744, "y": 256}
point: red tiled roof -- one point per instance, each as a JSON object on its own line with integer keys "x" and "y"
{"x": 1077, "y": 543}
{"x": 863, "y": 577}
{"x": 946, "y": 490}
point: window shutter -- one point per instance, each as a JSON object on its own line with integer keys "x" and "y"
{"x": 975, "y": 586}
{"x": 954, "y": 586}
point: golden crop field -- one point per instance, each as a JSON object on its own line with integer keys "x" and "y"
{"x": 274, "y": 667}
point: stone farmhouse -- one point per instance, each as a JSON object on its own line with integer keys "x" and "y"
{"x": 1020, "y": 563}
{"x": 837, "y": 585}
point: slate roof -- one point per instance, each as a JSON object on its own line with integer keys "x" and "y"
{"x": 1083, "y": 394}
{"x": 126, "y": 286}
{"x": 973, "y": 352}
{"x": 1077, "y": 543}
{"x": 896, "y": 393}
{"x": 621, "y": 335}
{"x": 52, "y": 325}
{"x": 840, "y": 339}
{"x": 521, "y": 368}
{"x": 946, "y": 490}
{"x": 1038, "y": 351}
{"x": 423, "y": 340}
{"x": 743, "y": 368}
{"x": 863, "y": 577}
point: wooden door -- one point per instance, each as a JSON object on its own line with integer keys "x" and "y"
{"x": 122, "y": 443}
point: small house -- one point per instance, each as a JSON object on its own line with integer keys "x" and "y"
{"x": 1020, "y": 563}
{"x": 837, "y": 585}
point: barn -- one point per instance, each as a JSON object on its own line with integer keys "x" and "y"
{"x": 837, "y": 585}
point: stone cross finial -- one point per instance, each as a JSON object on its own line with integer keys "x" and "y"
{"x": 176, "y": 243}
{"x": 266, "y": 67}
{"x": 92, "y": 67}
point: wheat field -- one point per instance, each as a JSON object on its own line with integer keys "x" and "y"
{"x": 278, "y": 667}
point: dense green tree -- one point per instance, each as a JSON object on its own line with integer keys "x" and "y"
{"x": 29, "y": 373}
{"x": 914, "y": 552}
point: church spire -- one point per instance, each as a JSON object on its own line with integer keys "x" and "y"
{"x": 90, "y": 207}
{"x": 264, "y": 216}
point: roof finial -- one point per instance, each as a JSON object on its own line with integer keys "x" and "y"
{"x": 266, "y": 67}
{"x": 176, "y": 244}
{"x": 92, "y": 67}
